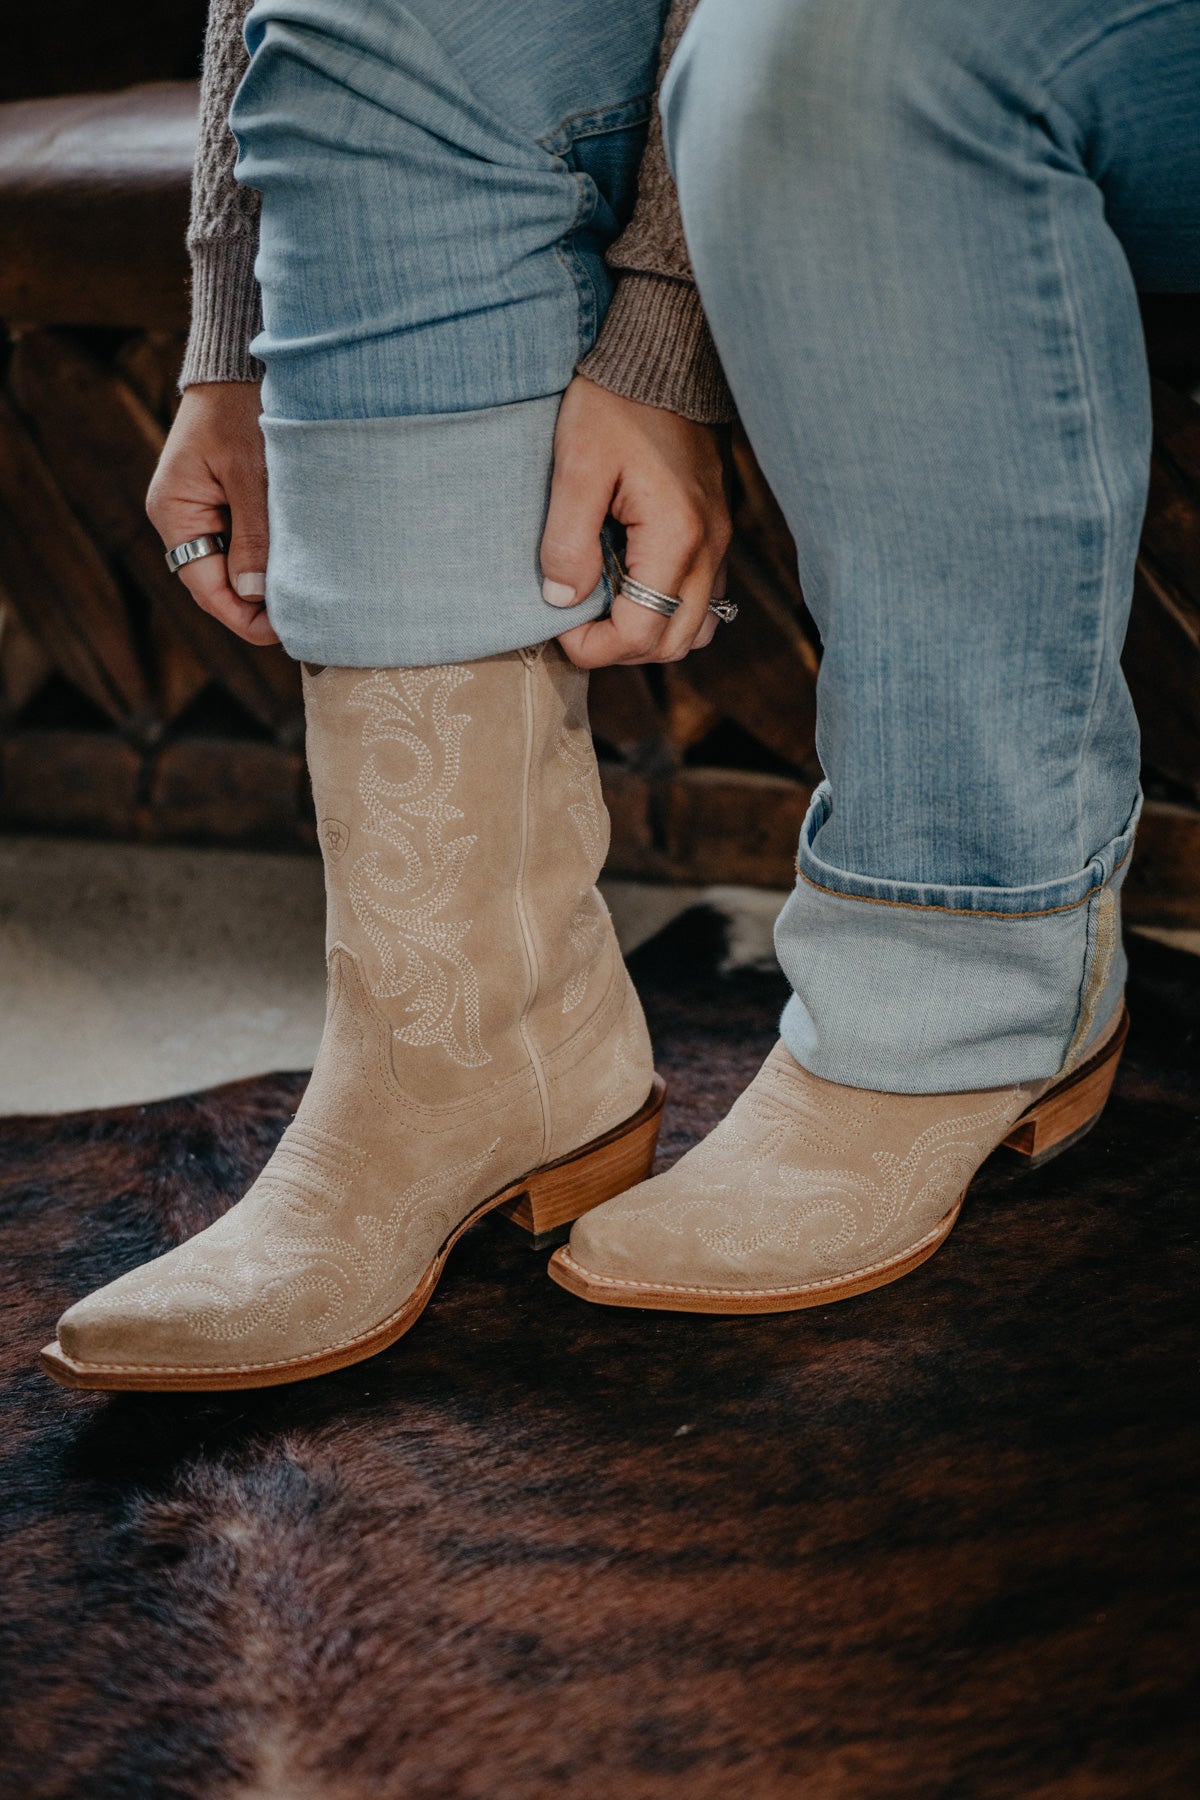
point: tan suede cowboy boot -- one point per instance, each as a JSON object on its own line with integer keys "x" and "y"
{"x": 809, "y": 1192}
{"x": 484, "y": 1046}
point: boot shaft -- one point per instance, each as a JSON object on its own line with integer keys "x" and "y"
{"x": 462, "y": 826}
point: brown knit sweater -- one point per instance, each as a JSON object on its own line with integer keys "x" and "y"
{"x": 654, "y": 345}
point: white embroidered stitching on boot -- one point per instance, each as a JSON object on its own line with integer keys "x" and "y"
{"x": 587, "y": 934}
{"x": 863, "y": 1210}
{"x": 749, "y": 1191}
{"x": 295, "y": 1251}
{"x": 409, "y": 885}
{"x": 624, "y": 1071}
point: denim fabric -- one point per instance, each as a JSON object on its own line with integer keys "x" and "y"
{"x": 918, "y": 228}
{"x": 446, "y": 515}
{"x": 919, "y": 986}
{"x": 440, "y": 180}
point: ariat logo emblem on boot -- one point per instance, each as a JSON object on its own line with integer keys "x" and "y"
{"x": 334, "y": 837}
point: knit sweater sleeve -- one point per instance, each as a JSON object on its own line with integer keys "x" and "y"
{"x": 655, "y": 345}
{"x": 223, "y": 229}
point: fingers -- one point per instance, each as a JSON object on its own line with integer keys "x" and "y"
{"x": 246, "y": 564}
{"x": 721, "y": 580}
{"x": 630, "y": 634}
{"x": 246, "y": 493}
{"x": 207, "y": 581}
{"x": 686, "y": 556}
{"x": 211, "y": 478}
{"x": 707, "y": 632}
{"x": 581, "y": 488}
{"x": 662, "y": 478}
{"x": 614, "y": 640}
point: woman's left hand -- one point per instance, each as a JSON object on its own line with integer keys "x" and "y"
{"x": 662, "y": 478}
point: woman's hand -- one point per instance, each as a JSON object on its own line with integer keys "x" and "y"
{"x": 661, "y": 477}
{"x": 212, "y": 476}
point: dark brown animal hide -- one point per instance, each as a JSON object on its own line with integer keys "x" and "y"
{"x": 935, "y": 1543}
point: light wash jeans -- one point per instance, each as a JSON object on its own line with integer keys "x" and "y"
{"x": 440, "y": 181}
{"x": 917, "y": 227}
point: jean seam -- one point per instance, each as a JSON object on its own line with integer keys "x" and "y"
{"x": 595, "y": 121}
{"x": 1077, "y": 362}
{"x": 968, "y": 912}
{"x": 577, "y": 274}
{"x": 617, "y": 116}
{"x": 1135, "y": 15}
{"x": 1094, "y": 975}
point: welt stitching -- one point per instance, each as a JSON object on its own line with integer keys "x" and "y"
{"x": 374, "y": 1330}
{"x": 577, "y": 276}
{"x": 804, "y": 1287}
{"x": 1094, "y": 591}
{"x": 615, "y": 117}
{"x": 1135, "y": 15}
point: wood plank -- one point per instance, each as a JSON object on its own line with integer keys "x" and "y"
{"x": 225, "y": 791}
{"x": 1162, "y": 665}
{"x": 623, "y": 711}
{"x": 734, "y": 825}
{"x": 1163, "y": 884}
{"x": 74, "y": 781}
{"x": 690, "y": 715}
{"x": 60, "y": 585}
{"x": 179, "y": 675}
{"x": 634, "y": 849}
{"x": 24, "y": 664}
{"x": 704, "y": 825}
{"x": 150, "y": 362}
{"x": 1171, "y": 532}
{"x": 760, "y": 670}
{"x": 88, "y": 420}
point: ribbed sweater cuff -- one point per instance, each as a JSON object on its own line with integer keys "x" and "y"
{"x": 226, "y": 312}
{"x": 655, "y": 346}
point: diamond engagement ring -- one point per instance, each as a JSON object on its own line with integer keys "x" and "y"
{"x": 213, "y": 543}
{"x": 726, "y": 610}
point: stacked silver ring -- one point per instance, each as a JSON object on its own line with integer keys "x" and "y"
{"x": 668, "y": 604}
{"x": 665, "y": 605}
{"x": 641, "y": 595}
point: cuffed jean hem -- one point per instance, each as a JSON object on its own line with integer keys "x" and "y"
{"x": 398, "y": 542}
{"x": 913, "y": 989}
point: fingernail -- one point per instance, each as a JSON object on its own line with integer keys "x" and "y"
{"x": 253, "y": 583}
{"x": 557, "y": 593}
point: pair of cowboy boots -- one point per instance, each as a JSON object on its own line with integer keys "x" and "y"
{"x": 484, "y": 1049}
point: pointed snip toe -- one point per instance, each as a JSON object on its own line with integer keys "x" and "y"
{"x": 545, "y": 1200}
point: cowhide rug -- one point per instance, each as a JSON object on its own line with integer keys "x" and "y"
{"x": 935, "y": 1543}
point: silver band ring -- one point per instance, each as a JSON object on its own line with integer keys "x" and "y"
{"x": 641, "y": 595}
{"x": 213, "y": 543}
{"x": 726, "y": 610}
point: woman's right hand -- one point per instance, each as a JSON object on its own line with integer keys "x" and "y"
{"x": 212, "y": 476}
